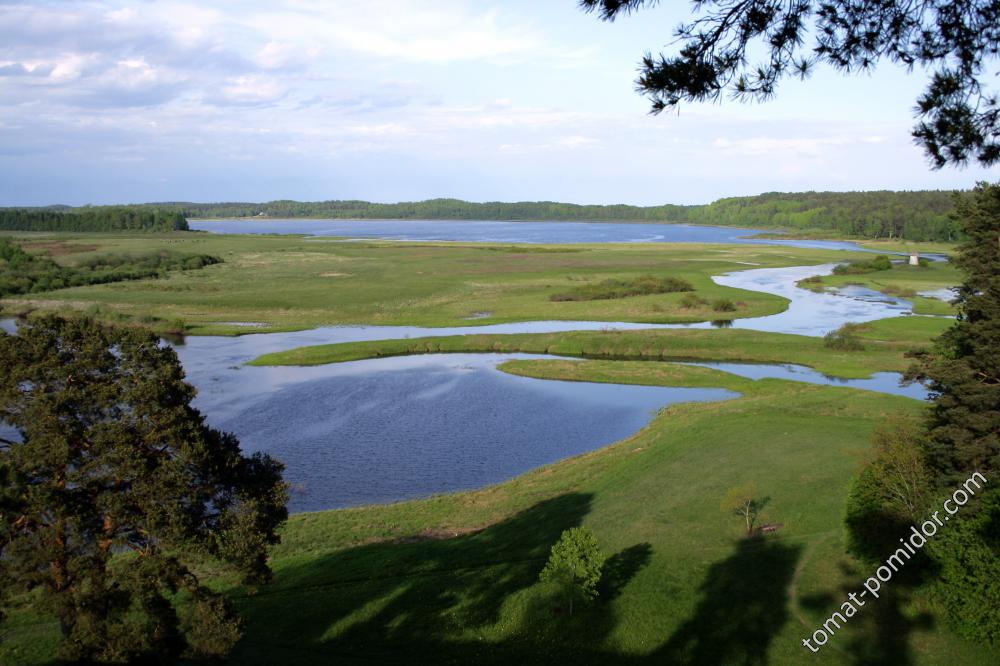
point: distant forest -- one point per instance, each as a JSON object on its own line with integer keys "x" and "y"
{"x": 919, "y": 216}
{"x": 93, "y": 218}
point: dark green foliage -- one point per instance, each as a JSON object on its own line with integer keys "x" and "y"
{"x": 723, "y": 305}
{"x": 879, "y": 263}
{"x": 744, "y": 49}
{"x": 844, "y": 338}
{"x": 608, "y": 289}
{"x": 969, "y": 578}
{"x": 116, "y": 490}
{"x": 964, "y": 368}
{"x": 25, "y": 273}
{"x": 575, "y": 564}
{"x": 96, "y": 218}
{"x": 872, "y": 527}
{"x": 961, "y": 437}
{"x": 919, "y": 216}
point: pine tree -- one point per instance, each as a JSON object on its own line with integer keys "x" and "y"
{"x": 964, "y": 368}
{"x": 115, "y": 489}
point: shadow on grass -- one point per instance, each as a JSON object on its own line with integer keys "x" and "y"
{"x": 881, "y": 631}
{"x": 622, "y": 567}
{"x": 743, "y": 605}
{"x": 475, "y": 599}
{"x": 423, "y": 601}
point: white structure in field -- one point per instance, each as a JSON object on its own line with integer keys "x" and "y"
{"x": 914, "y": 258}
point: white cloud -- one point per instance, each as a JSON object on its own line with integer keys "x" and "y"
{"x": 404, "y": 29}
{"x": 251, "y": 90}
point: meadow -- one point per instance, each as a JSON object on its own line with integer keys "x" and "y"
{"x": 288, "y": 283}
{"x": 454, "y": 578}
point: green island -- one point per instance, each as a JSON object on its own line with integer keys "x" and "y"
{"x": 454, "y": 578}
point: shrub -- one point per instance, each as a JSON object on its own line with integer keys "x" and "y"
{"x": 616, "y": 288}
{"x": 723, "y": 305}
{"x": 896, "y": 290}
{"x": 844, "y": 338}
{"x": 879, "y": 263}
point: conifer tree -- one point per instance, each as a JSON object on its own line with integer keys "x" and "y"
{"x": 114, "y": 490}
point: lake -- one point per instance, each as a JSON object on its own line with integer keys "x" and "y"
{"x": 396, "y": 428}
{"x": 481, "y": 231}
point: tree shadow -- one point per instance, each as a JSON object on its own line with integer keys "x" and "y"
{"x": 408, "y": 599}
{"x": 880, "y": 632}
{"x": 743, "y": 606}
{"x": 622, "y": 567}
{"x": 475, "y": 599}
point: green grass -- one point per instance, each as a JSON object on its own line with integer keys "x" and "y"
{"x": 886, "y": 346}
{"x": 288, "y": 283}
{"x": 454, "y": 578}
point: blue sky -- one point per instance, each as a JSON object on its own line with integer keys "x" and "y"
{"x": 391, "y": 100}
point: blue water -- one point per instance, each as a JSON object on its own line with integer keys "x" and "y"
{"x": 881, "y": 382}
{"x": 510, "y": 232}
{"x": 397, "y": 428}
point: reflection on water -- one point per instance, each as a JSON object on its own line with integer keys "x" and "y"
{"x": 809, "y": 312}
{"x": 882, "y": 382}
{"x": 395, "y": 428}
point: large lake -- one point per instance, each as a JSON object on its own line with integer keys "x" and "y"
{"x": 509, "y": 232}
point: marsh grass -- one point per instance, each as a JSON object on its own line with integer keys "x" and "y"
{"x": 617, "y": 288}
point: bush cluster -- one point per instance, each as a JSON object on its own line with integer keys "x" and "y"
{"x": 616, "y": 288}
{"x": 845, "y": 338}
{"x": 24, "y": 273}
{"x": 879, "y": 263}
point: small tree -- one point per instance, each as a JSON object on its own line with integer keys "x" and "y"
{"x": 115, "y": 489}
{"x": 575, "y": 564}
{"x": 743, "y": 502}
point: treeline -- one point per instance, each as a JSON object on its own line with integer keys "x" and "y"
{"x": 919, "y": 216}
{"x": 922, "y": 215}
{"x": 93, "y": 218}
{"x": 439, "y": 209}
{"x": 22, "y": 272}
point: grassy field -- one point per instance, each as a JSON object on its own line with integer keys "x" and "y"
{"x": 454, "y": 578}
{"x": 285, "y": 283}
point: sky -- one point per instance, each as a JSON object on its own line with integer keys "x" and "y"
{"x": 399, "y": 100}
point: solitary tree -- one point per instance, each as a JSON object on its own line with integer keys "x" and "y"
{"x": 575, "y": 564}
{"x": 744, "y": 502}
{"x": 958, "y": 116}
{"x": 113, "y": 490}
